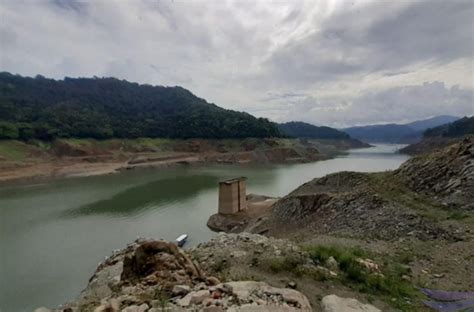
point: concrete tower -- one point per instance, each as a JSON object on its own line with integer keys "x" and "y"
{"x": 232, "y": 196}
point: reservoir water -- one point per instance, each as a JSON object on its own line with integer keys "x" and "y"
{"x": 53, "y": 235}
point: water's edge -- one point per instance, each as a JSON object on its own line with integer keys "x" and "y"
{"x": 55, "y": 233}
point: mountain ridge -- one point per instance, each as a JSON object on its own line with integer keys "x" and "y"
{"x": 301, "y": 129}
{"x": 397, "y": 133}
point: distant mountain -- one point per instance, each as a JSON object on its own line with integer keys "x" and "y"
{"x": 422, "y": 125}
{"x": 392, "y": 133}
{"x": 458, "y": 128}
{"x": 397, "y": 133}
{"x": 41, "y": 108}
{"x": 300, "y": 129}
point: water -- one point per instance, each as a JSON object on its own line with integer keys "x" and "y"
{"x": 53, "y": 235}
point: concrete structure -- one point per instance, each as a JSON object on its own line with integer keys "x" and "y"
{"x": 232, "y": 196}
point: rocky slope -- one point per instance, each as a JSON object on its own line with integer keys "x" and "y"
{"x": 382, "y": 205}
{"x": 447, "y": 175}
{"x": 158, "y": 276}
{"x": 154, "y": 276}
{"x": 428, "y": 145}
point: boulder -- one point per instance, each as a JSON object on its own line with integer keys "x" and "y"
{"x": 333, "y": 303}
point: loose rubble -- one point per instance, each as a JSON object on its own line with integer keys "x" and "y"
{"x": 152, "y": 275}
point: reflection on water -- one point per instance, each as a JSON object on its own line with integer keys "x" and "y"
{"x": 53, "y": 235}
{"x": 146, "y": 196}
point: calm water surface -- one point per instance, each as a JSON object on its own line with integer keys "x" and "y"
{"x": 53, "y": 235}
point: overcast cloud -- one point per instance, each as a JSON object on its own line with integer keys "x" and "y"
{"x": 334, "y": 62}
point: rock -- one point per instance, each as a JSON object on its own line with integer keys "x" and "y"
{"x": 243, "y": 289}
{"x": 332, "y": 264}
{"x": 369, "y": 265}
{"x": 333, "y": 303}
{"x": 162, "y": 263}
{"x": 211, "y": 280}
{"x": 134, "y": 308}
{"x": 194, "y": 297}
{"x": 181, "y": 290}
{"x": 43, "y": 309}
{"x": 147, "y": 271}
{"x": 291, "y": 285}
{"x": 112, "y": 305}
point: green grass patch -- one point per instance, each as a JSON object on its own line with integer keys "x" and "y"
{"x": 289, "y": 263}
{"x": 388, "y": 283}
{"x": 457, "y": 215}
{"x": 320, "y": 254}
{"x": 14, "y": 150}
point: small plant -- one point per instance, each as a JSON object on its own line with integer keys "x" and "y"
{"x": 162, "y": 298}
{"x": 288, "y": 263}
{"x": 388, "y": 283}
{"x": 456, "y": 215}
{"x": 220, "y": 265}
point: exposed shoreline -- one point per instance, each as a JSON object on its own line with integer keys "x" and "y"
{"x": 66, "y": 159}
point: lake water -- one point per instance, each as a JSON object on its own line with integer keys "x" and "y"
{"x": 53, "y": 235}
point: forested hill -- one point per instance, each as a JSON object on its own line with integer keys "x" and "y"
{"x": 460, "y": 127}
{"x": 102, "y": 108}
{"x": 305, "y": 130}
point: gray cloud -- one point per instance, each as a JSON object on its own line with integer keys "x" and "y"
{"x": 398, "y": 104}
{"x": 328, "y": 62}
{"x": 382, "y": 37}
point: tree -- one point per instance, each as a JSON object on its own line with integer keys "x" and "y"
{"x": 8, "y": 131}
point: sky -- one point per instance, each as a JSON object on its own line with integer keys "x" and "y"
{"x": 336, "y": 62}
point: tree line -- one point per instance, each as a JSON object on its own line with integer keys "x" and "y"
{"x": 101, "y": 108}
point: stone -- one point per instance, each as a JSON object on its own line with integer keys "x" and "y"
{"x": 43, "y": 309}
{"x": 369, "y": 265}
{"x": 112, "y": 305}
{"x": 332, "y": 264}
{"x": 243, "y": 289}
{"x": 291, "y": 285}
{"x": 211, "y": 280}
{"x": 333, "y": 303}
{"x": 194, "y": 297}
{"x": 135, "y": 308}
{"x": 181, "y": 290}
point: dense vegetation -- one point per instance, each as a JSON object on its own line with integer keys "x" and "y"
{"x": 460, "y": 127}
{"x": 40, "y": 108}
{"x": 305, "y": 130}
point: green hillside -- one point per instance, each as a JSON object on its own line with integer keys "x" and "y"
{"x": 41, "y": 108}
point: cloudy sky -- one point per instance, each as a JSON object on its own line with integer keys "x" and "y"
{"x": 334, "y": 62}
